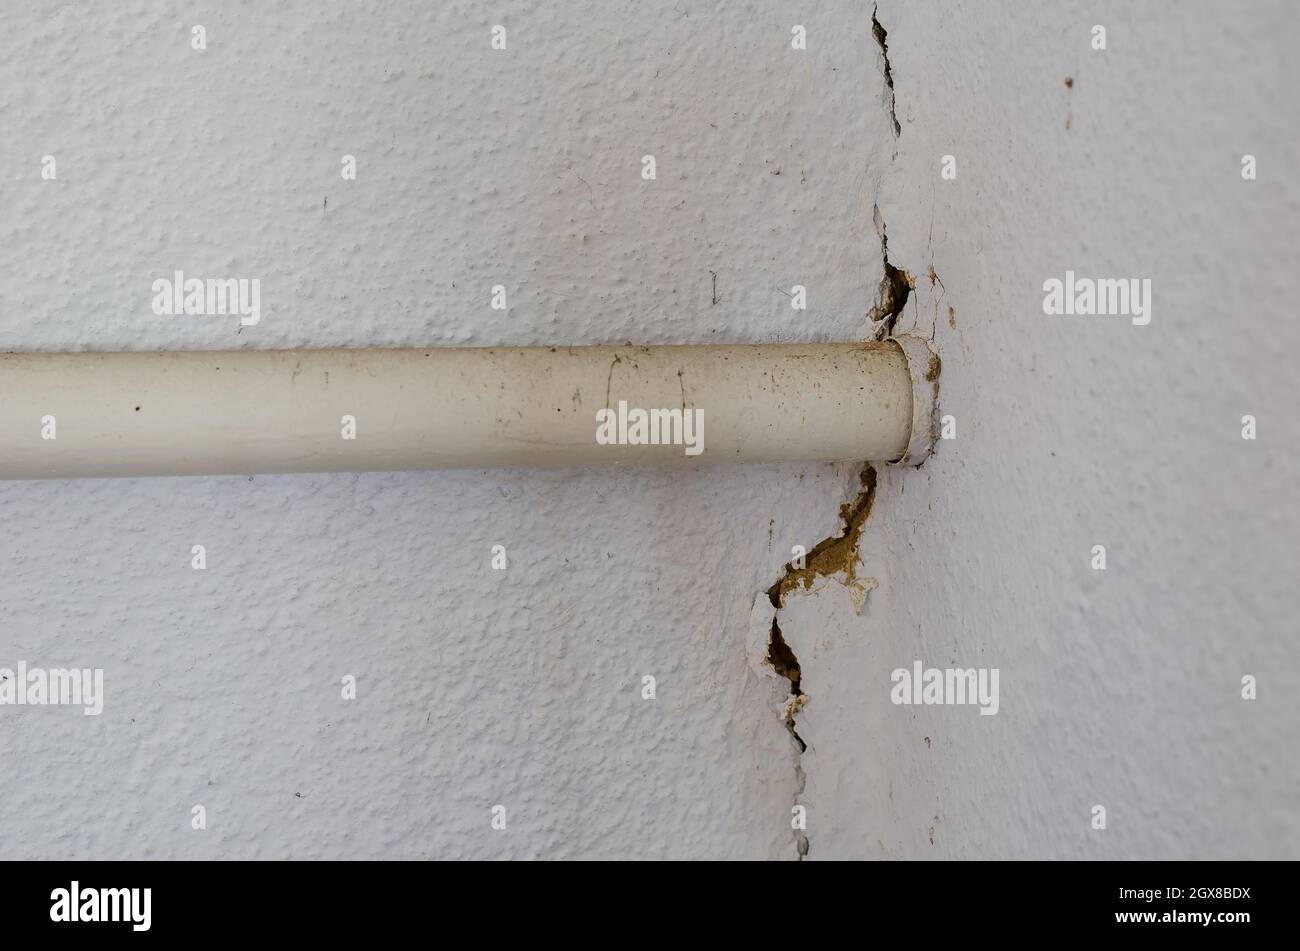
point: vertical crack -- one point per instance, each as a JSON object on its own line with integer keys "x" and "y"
{"x": 882, "y": 37}
{"x": 838, "y": 555}
{"x": 782, "y": 659}
{"x": 896, "y": 284}
{"x": 895, "y": 287}
{"x": 833, "y": 556}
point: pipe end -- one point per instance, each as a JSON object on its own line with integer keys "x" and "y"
{"x": 923, "y": 367}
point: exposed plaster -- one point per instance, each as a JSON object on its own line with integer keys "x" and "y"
{"x": 896, "y": 287}
{"x": 895, "y": 284}
{"x": 837, "y": 556}
{"x": 882, "y": 36}
{"x": 834, "y": 557}
{"x": 783, "y": 660}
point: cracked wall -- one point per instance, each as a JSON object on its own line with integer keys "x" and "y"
{"x": 1118, "y": 687}
{"x": 833, "y": 559}
{"x": 475, "y": 168}
{"x": 775, "y": 167}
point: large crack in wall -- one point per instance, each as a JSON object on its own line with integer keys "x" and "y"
{"x": 895, "y": 286}
{"x": 882, "y": 37}
{"x": 782, "y": 659}
{"x": 837, "y": 556}
{"x": 833, "y": 557}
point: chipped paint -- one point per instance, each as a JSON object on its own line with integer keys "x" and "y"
{"x": 835, "y": 556}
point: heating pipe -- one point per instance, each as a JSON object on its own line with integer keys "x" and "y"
{"x": 66, "y": 415}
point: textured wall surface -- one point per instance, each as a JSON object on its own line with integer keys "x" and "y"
{"x": 522, "y": 688}
{"x": 475, "y": 167}
{"x": 1121, "y": 687}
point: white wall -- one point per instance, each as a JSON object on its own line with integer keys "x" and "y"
{"x": 1120, "y": 687}
{"x": 475, "y": 167}
{"x": 479, "y": 167}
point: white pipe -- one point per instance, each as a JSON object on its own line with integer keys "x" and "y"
{"x": 253, "y": 411}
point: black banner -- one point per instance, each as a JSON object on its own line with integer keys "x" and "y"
{"x": 1220, "y": 901}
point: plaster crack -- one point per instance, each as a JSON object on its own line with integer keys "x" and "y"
{"x": 833, "y": 556}
{"x": 782, "y": 659}
{"x": 895, "y": 287}
{"x": 882, "y": 37}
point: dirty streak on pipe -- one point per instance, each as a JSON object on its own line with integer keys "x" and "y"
{"x": 263, "y": 411}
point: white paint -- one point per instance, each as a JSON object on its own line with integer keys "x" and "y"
{"x": 1120, "y": 687}
{"x": 475, "y": 167}
{"x": 226, "y": 730}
